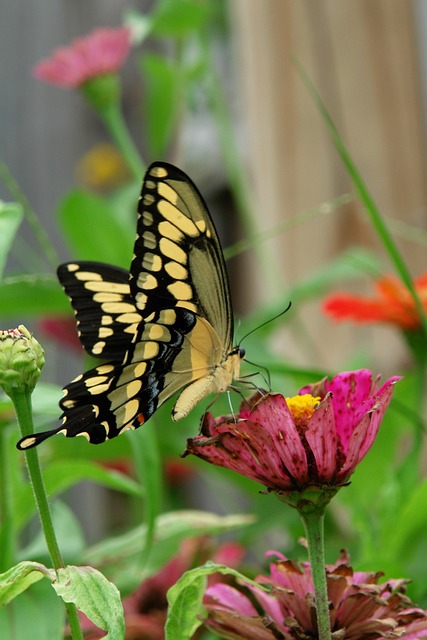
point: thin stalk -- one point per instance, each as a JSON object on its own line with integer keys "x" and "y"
{"x": 371, "y": 208}
{"x": 31, "y": 216}
{"x": 113, "y": 120}
{"x": 314, "y": 530}
{"x": 7, "y": 540}
{"x": 22, "y": 404}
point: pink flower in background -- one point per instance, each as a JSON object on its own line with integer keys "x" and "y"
{"x": 102, "y": 51}
{"x": 288, "y": 444}
{"x": 360, "y": 605}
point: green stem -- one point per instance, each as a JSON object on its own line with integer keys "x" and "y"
{"x": 113, "y": 120}
{"x": 22, "y": 403}
{"x": 7, "y": 536}
{"x": 366, "y": 198}
{"x": 314, "y": 529}
{"x": 30, "y": 215}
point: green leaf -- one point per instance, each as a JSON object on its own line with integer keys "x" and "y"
{"x": 11, "y": 215}
{"x": 20, "y": 577}
{"x": 93, "y": 594}
{"x": 120, "y": 556}
{"x": 185, "y": 599}
{"x": 61, "y": 475}
{"x": 28, "y": 617}
{"x": 162, "y": 79}
{"x": 92, "y": 230}
{"x": 38, "y": 294}
{"x": 177, "y": 19}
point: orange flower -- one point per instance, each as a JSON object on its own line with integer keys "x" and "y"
{"x": 393, "y": 303}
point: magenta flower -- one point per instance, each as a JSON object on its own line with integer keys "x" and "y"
{"x": 103, "y": 51}
{"x": 292, "y": 444}
{"x": 360, "y": 606}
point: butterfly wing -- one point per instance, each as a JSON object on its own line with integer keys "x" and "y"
{"x": 106, "y": 316}
{"x": 176, "y": 309}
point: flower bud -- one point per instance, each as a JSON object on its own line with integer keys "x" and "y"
{"x": 21, "y": 360}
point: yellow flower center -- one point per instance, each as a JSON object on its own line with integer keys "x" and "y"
{"x": 302, "y": 408}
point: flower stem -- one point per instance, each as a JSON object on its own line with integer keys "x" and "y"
{"x": 7, "y": 540}
{"x": 113, "y": 120}
{"x": 314, "y": 529}
{"x": 22, "y": 403}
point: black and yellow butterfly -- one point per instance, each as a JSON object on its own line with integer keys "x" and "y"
{"x": 166, "y": 326}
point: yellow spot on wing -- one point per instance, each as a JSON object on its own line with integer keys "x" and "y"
{"x": 176, "y": 270}
{"x": 172, "y": 250}
{"x": 133, "y": 388}
{"x": 109, "y": 287}
{"x": 159, "y": 172}
{"x": 174, "y": 215}
{"x": 170, "y": 231}
{"x": 167, "y": 316}
{"x": 105, "y": 296}
{"x": 149, "y": 239}
{"x": 85, "y": 275}
{"x": 98, "y": 347}
{"x": 147, "y": 281}
{"x": 180, "y": 290}
{"x": 105, "y": 332}
{"x": 151, "y": 262}
{"x": 117, "y": 307}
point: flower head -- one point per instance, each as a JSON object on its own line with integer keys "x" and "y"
{"x": 103, "y": 51}
{"x": 360, "y": 605}
{"x": 315, "y": 439}
{"x": 393, "y": 303}
{"x": 21, "y": 360}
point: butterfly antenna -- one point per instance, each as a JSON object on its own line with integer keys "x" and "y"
{"x": 263, "y": 324}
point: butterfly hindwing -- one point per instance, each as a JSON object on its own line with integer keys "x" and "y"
{"x": 167, "y": 325}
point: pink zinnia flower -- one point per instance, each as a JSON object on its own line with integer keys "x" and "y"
{"x": 103, "y": 51}
{"x": 360, "y": 606}
{"x": 292, "y": 444}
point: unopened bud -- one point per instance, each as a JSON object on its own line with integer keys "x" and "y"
{"x": 21, "y": 360}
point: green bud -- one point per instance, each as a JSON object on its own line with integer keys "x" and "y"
{"x": 21, "y": 360}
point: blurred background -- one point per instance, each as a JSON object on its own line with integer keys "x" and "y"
{"x": 248, "y": 132}
{"x": 368, "y": 61}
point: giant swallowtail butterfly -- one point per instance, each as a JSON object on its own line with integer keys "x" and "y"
{"x": 165, "y": 327}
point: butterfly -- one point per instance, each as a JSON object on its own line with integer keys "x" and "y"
{"x": 166, "y": 326}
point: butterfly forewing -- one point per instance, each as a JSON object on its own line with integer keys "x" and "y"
{"x": 106, "y": 316}
{"x": 178, "y": 259}
{"x": 166, "y": 325}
